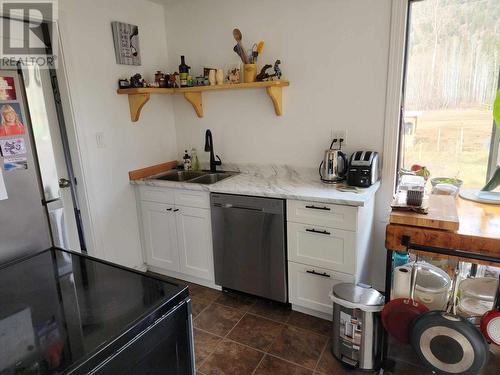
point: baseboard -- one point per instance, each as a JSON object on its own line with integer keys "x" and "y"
{"x": 184, "y": 277}
{"x": 318, "y": 314}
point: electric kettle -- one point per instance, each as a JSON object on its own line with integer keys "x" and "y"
{"x": 333, "y": 168}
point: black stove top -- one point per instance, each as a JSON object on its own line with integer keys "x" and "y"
{"x": 59, "y": 308}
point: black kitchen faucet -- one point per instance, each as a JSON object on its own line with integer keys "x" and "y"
{"x": 209, "y": 147}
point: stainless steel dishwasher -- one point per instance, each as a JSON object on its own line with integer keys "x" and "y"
{"x": 249, "y": 245}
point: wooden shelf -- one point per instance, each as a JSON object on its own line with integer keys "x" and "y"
{"x": 138, "y": 97}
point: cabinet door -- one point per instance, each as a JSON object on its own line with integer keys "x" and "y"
{"x": 310, "y": 286}
{"x": 334, "y": 249}
{"x": 194, "y": 236}
{"x": 160, "y": 235}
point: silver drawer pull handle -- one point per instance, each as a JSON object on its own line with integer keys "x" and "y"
{"x": 324, "y": 208}
{"x": 324, "y": 274}
{"x": 318, "y": 231}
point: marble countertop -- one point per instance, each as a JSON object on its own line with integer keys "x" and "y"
{"x": 275, "y": 182}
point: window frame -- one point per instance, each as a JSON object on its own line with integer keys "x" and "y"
{"x": 495, "y": 135}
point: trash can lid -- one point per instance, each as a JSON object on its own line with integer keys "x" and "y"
{"x": 359, "y": 294}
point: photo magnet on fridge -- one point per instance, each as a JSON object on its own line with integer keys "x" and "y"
{"x": 15, "y": 163}
{"x": 7, "y": 88}
{"x": 12, "y": 147}
{"x": 11, "y": 120}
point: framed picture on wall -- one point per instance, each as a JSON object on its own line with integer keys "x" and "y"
{"x": 126, "y": 39}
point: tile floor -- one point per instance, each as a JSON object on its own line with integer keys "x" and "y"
{"x": 236, "y": 334}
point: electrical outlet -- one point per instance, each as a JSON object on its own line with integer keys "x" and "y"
{"x": 341, "y": 134}
{"x": 99, "y": 140}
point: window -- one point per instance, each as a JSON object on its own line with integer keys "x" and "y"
{"x": 451, "y": 79}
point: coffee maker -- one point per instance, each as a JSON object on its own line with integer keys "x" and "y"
{"x": 333, "y": 168}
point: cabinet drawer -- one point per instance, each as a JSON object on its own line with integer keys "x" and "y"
{"x": 192, "y": 198}
{"x": 155, "y": 194}
{"x": 327, "y": 215}
{"x": 310, "y": 286}
{"x": 321, "y": 246}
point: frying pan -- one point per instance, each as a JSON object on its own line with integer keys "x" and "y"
{"x": 398, "y": 314}
{"x": 490, "y": 322}
{"x": 447, "y": 343}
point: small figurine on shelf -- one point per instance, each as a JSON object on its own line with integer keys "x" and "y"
{"x": 277, "y": 70}
{"x": 233, "y": 75}
{"x": 263, "y": 75}
{"x": 172, "y": 80}
{"x": 123, "y": 83}
{"x": 136, "y": 81}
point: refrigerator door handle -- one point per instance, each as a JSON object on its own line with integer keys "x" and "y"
{"x": 64, "y": 183}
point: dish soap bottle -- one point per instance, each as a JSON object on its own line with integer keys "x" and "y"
{"x": 183, "y": 73}
{"x": 195, "y": 161}
{"x": 187, "y": 161}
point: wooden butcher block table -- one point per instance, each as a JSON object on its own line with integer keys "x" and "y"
{"x": 477, "y": 236}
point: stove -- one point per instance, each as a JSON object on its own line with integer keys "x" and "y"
{"x": 66, "y": 313}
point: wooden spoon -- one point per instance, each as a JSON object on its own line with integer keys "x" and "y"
{"x": 238, "y": 36}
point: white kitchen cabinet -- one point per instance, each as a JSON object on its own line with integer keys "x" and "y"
{"x": 309, "y": 286}
{"x": 321, "y": 246}
{"x": 327, "y": 244}
{"x": 177, "y": 237}
{"x": 194, "y": 238}
{"x": 160, "y": 235}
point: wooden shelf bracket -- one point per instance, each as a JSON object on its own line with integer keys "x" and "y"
{"x": 136, "y": 102}
{"x": 196, "y": 101}
{"x": 275, "y": 94}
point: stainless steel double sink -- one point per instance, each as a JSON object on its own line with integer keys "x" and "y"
{"x": 195, "y": 177}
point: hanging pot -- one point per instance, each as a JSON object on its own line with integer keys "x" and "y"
{"x": 490, "y": 322}
{"x": 447, "y": 343}
{"x": 398, "y": 314}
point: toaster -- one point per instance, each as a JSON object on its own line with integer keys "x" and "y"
{"x": 363, "y": 169}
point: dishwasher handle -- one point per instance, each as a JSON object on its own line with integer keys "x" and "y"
{"x": 238, "y": 207}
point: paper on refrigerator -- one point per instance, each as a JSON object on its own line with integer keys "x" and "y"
{"x": 3, "y": 190}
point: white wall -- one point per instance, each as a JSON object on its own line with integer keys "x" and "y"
{"x": 335, "y": 54}
{"x": 85, "y": 28}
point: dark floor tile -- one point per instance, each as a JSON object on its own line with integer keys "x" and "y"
{"x": 311, "y": 323}
{"x": 201, "y": 291}
{"x": 235, "y": 300}
{"x": 218, "y": 319}
{"x": 255, "y": 331}
{"x": 231, "y": 358}
{"x": 199, "y": 304}
{"x": 273, "y": 366}
{"x": 271, "y": 310}
{"x": 299, "y": 346}
{"x": 328, "y": 364}
{"x": 204, "y": 345}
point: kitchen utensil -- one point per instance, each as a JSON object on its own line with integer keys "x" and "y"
{"x": 490, "y": 322}
{"x": 260, "y": 47}
{"x": 476, "y": 296}
{"x": 432, "y": 286}
{"x": 357, "y": 332}
{"x": 333, "y": 168}
{"x": 399, "y": 313}
{"x": 239, "y": 51}
{"x": 238, "y": 36}
{"x": 448, "y": 343}
{"x": 254, "y": 54}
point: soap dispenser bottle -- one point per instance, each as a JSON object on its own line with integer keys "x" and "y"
{"x": 187, "y": 161}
